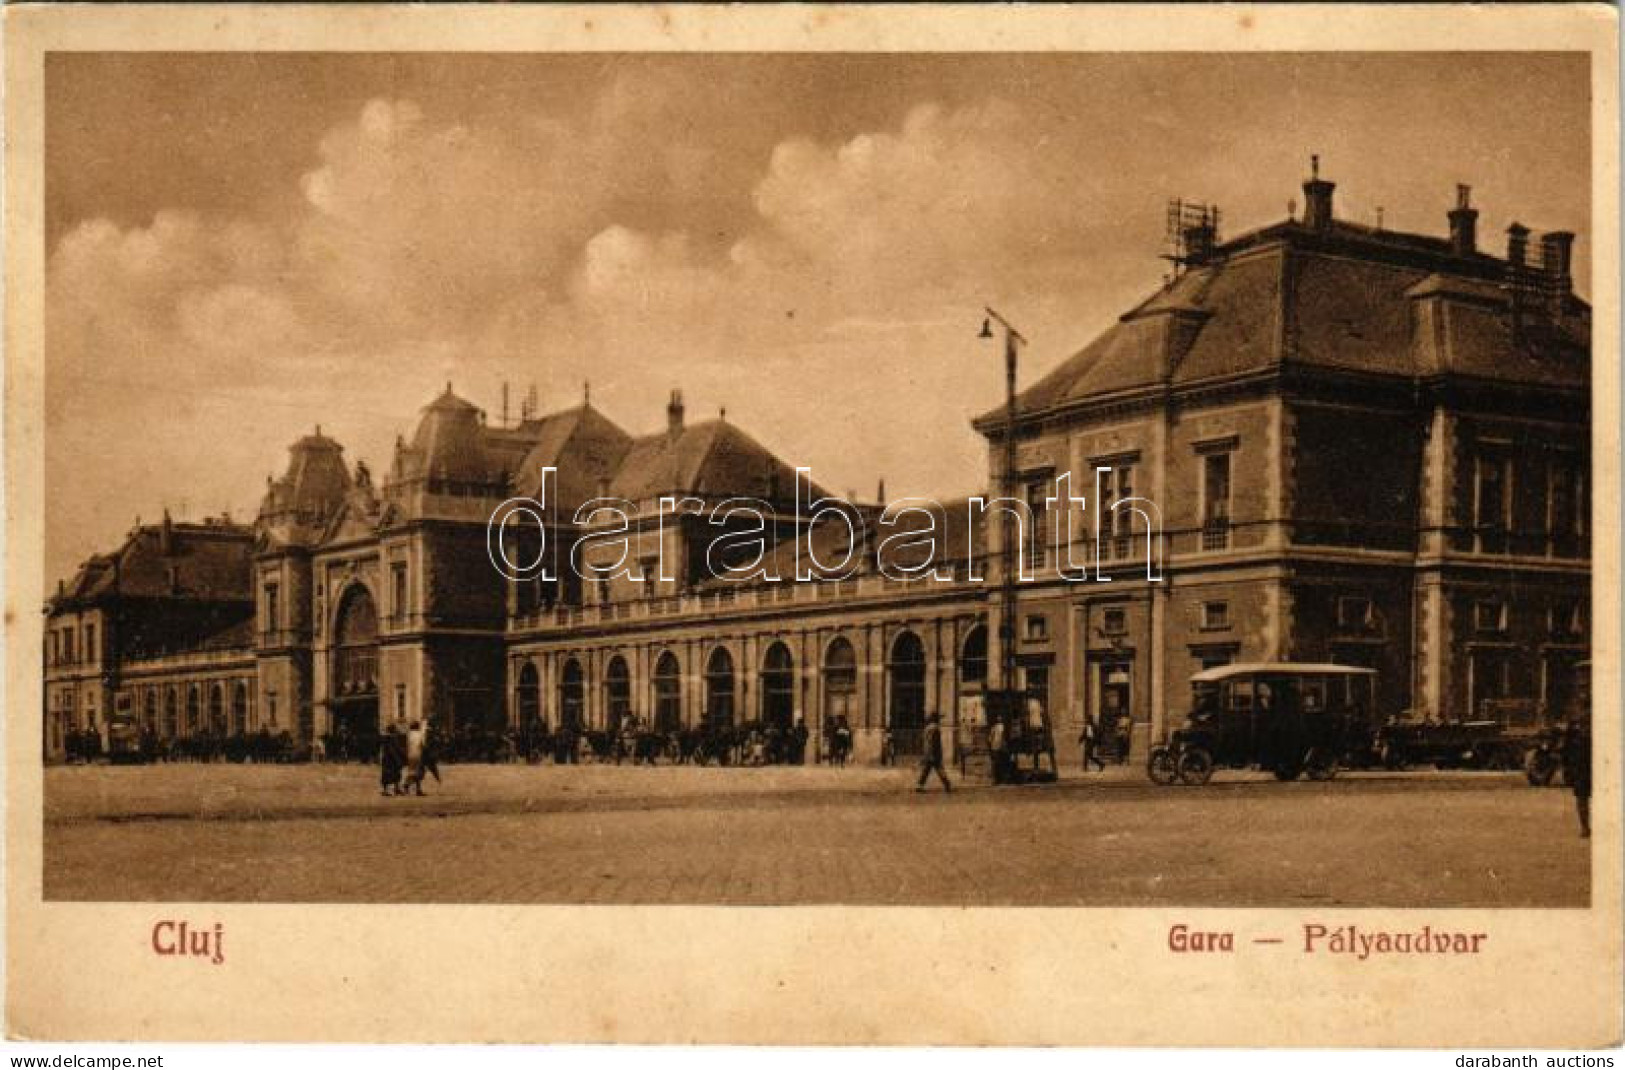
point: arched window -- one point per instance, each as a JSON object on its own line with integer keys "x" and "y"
{"x": 905, "y": 679}
{"x": 840, "y": 683}
{"x": 172, "y": 714}
{"x": 778, "y": 687}
{"x": 617, "y": 693}
{"x": 217, "y": 711}
{"x": 194, "y": 710}
{"x": 973, "y": 657}
{"x": 530, "y": 699}
{"x": 668, "y": 681}
{"x": 572, "y": 696}
{"x": 239, "y": 708}
{"x": 355, "y": 661}
{"x": 719, "y": 689}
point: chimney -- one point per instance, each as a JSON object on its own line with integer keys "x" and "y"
{"x": 674, "y": 414}
{"x": 1556, "y": 258}
{"x": 1317, "y": 193}
{"x": 1464, "y": 223}
{"x": 1199, "y": 241}
{"x": 1517, "y": 245}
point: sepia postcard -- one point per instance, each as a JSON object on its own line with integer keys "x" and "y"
{"x": 932, "y": 525}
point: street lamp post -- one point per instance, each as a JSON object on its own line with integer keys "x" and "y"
{"x": 1009, "y": 549}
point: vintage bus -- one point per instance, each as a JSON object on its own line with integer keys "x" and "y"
{"x": 1281, "y": 717}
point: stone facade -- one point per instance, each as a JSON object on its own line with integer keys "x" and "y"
{"x": 1358, "y": 446}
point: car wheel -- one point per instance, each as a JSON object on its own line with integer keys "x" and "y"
{"x": 1161, "y": 767}
{"x": 1320, "y": 765}
{"x": 1195, "y": 766}
{"x": 1539, "y": 769}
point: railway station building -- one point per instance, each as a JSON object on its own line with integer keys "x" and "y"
{"x": 1363, "y": 446}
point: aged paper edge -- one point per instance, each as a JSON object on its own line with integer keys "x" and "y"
{"x": 773, "y": 975}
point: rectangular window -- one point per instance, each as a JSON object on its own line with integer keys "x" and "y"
{"x": 397, "y": 586}
{"x": 400, "y": 702}
{"x": 1037, "y": 627}
{"x": 270, "y": 709}
{"x": 90, "y": 642}
{"x": 1116, "y": 482}
{"x": 1567, "y": 618}
{"x": 1037, "y": 494}
{"x": 1490, "y": 615}
{"x": 1215, "y": 615}
{"x": 1492, "y": 493}
{"x": 1114, "y": 621}
{"x": 1355, "y": 614}
{"x": 1216, "y": 501}
{"x": 273, "y": 609}
{"x": 1565, "y": 503}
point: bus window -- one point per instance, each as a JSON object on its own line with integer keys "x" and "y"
{"x": 1278, "y": 694}
{"x": 1360, "y": 694}
{"x": 1313, "y": 694}
{"x": 1241, "y": 696}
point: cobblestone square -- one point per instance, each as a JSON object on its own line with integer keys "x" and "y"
{"x": 804, "y": 835}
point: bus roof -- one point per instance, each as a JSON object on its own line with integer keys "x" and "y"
{"x": 1278, "y": 668}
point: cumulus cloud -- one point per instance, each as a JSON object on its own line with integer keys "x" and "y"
{"x": 419, "y": 248}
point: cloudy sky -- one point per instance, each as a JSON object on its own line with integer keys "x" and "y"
{"x": 241, "y": 247}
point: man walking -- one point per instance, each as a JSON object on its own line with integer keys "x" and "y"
{"x": 1577, "y": 767}
{"x": 1091, "y": 746}
{"x": 414, "y": 759}
{"x": 391, "y": 757}
{"x": 931, "y": 755}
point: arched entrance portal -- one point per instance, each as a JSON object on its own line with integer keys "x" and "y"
{"x": 668, "y": 693}
{"x": 353, "y": 695}
{"x": 778, "y": 688}
{"x": 530, "y": 702}
{"x": 905, "y": 693}
{"x": 572, "y": 697}
{"x": 217, "y": 712}
{"x": 617, "y": 694}
{"x": 840, "y": 689}
{"x": 719, "y": 690}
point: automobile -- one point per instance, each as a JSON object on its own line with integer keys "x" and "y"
{"x": 1286, "y": 718}
{"x": 1543, "y": 763}
{"x": 124, "y": 742}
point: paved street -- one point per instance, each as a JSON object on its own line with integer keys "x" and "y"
{"x": 605, "y": 834}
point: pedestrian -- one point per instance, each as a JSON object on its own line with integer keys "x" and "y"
{"x": 431, "y": 761}
{"x": 998, "y": 745}
{"x": 843, "y": 741}
{"x": 798, "y": 741}
{"x": 1577, "y": 767}
{"x": 414, "y": 759}
{"x": 1090, "y": 742}
{"x": 391, "y": 757}
{"x": 931, "y": 755}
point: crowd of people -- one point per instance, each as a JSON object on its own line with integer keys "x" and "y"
{"x": 633, "y": 740}
{"x": 146, "y": 745}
